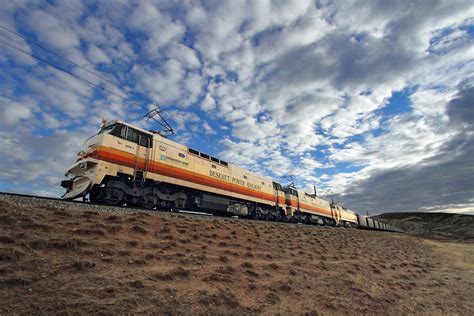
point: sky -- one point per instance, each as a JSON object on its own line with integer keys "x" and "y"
{"x": 370, "y": 101}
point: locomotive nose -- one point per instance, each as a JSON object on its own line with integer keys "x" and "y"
{"x": 77, "y": 187}
{"x": 89, "y": 146}
{"x": 67, "y": 184}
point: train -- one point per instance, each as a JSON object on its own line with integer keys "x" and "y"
{"x": 124, "y": 164}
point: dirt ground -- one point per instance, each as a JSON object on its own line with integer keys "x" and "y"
{"x": 67, "y": 259}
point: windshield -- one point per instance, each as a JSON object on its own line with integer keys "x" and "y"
{"x": 127, "y": 133}
{"x": 107, "y": 129}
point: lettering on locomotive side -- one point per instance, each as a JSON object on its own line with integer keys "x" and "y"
{"x": 253, "y": 186}
{"x": 238, "y": 181}
{"x": 219, "y": 175}
{"x": 173, "y": 160}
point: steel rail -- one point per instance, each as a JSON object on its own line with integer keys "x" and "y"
{"x": 137, "y": 208}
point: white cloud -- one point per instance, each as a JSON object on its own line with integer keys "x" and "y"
{"x": 12, "y": 112}
{"x": 38, "y": 160}
{"x": 182, "y": 119}
{"x": 286, "y": 79}
{"x": 208, "y": 103}
{"x": 59, "y": 96}
{"x": 185, "y": 55}
{"x": 52, "y": 30}
{"x": 208, "y": 129}
{"x": 97, "y": 56}
{"x": 159, "y": 27}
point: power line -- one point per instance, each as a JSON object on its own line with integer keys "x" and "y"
{"x": 63, "y": 70}
{"x": 8, "y": 79}
{"x": 58, "y": 55}
{"x": 7, "y": 97}
{"x": 165, "y": 124}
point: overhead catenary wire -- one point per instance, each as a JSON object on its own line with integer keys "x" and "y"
{"x": 63, "y": 70}
{"x": 57, "y": 55}
{"x": 164, "y": 123}
{"x": 7, "y": 78}
{"x": 86, "y": 81}
{"x": 7, "y": 97}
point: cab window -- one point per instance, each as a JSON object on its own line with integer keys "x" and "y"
{"x": 129, "y": 134}
{"x": 107, "y": 129}
{"x": 122, "y": 132}
{"x": 132, "y": 135}
{"x": 291, "y": 191}
{"x": 119, "y": 130}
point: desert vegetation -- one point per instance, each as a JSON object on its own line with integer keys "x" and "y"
{"x": 69, "y": 258}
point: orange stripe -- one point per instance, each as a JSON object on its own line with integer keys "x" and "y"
{"x": 315, "y": 209}
{"x": 126, "y": 159}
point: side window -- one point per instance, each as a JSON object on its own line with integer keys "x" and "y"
{"x": 192, "y": 151}
{"x": 132, "y": 135}
{"x": 145, "y": 140}
{"x": 123, "y": 132}
{"x": 142, "y": 141}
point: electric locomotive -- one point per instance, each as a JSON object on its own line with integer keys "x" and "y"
{"x": 124, "y": 164}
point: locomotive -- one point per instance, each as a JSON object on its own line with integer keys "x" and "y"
{"x": 124, "y": 164}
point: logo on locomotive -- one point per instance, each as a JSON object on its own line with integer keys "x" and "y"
{"x": 235, "y": 180}
{"x": 173, "y": 160}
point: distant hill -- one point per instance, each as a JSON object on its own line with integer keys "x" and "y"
{"x": 446, "y": 226}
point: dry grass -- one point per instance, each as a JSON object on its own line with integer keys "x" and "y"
{"x": 77, "y": 261}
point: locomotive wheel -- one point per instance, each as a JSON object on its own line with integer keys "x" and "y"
{"x": 149, "y": 201}
{"x": 148, "y": 204}
{"x": 116, "y": 196}
{"x": 254, "y": 215}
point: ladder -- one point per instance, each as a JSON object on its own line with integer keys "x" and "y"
{"x": 139, "y": 175}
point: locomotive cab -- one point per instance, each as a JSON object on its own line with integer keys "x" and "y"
{"x": 126, "y": 132}
{"x": 82, "y": 173}
{"x": 90, "y": 169}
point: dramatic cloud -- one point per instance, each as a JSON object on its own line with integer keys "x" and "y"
{"x": 444, "y": 179}
{"x": 371, "y": 101}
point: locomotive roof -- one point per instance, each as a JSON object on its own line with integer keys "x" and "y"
{"x": 111, "y": 122}
{"x": 171, "y": 142}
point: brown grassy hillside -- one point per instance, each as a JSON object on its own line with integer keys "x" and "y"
{"x": 66, "y": 258}
{"x": 442, "y": 226}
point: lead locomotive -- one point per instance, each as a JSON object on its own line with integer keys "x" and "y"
{"x": 126, "y": 164}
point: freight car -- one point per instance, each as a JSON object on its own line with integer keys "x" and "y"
{"x": 126, "y": 164}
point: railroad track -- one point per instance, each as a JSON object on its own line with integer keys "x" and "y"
{"x": 41, "y": 197}
{"x": 128, "y": 207}
{"x": 103, "y": 205}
